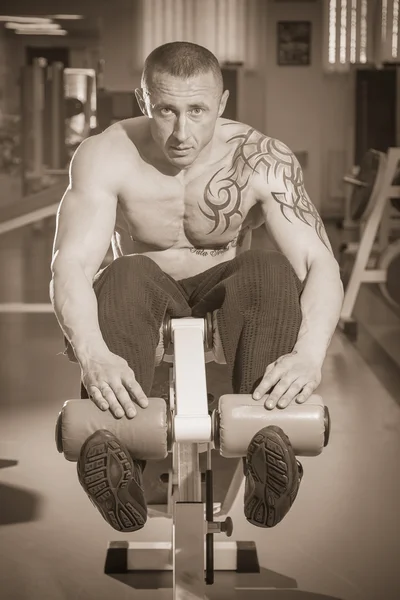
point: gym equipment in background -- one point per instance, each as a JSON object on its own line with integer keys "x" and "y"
{"x": 377, "y": 255}
{"x": 361, "y": 181}
{"x": 80, "y": 106}
{"x": 364, "y": 184}
{"x": 184, "y": 426}
{"x": 51, "y": 99}
{"x": 43, "y": 123}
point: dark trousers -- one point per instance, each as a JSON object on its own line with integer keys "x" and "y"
{"x": 257, "y": 295}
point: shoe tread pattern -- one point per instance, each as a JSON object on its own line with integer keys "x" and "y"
{"x": 113, "y": 482}
{"x": 272, "y": 479}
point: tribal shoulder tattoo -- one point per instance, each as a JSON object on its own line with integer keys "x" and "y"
{"x": 256, "y": 153}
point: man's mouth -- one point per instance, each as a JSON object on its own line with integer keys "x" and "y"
{"x": 180, "y": 148}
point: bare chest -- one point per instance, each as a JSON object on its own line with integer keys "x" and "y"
{"x": 207, "y": 211}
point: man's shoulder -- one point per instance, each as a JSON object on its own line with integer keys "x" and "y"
{"x": 254, "y": 147}
{"x": 256, "y": 153}
{"x": 129, "y": 131}
{"x": 241, "y": 132}
{"x": 117, "y": 141}
{"x": 227, "y": 128}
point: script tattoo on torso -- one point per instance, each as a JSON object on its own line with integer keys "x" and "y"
{"x": 256, "y": 153}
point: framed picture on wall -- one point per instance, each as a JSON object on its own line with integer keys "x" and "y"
{"x": 294, "y": 43}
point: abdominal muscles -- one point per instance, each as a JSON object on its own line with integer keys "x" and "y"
{"x": 183, "y": 260}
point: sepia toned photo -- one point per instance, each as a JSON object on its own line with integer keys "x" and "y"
{"x": 199, "y": 300}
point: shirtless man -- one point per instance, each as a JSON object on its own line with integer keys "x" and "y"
{"x": 179, "y": 191}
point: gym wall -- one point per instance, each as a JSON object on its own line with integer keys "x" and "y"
{"x": 304, "y": 107}
{"x": 309, "y": 110}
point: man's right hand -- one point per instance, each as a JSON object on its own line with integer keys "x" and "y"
{"x": 111, "y": 384}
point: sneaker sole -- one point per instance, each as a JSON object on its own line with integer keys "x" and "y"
{"x": 112, "y": 481}
{"x": 272, "y": 467}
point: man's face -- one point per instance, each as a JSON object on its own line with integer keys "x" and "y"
{"x": 183, "y": 114}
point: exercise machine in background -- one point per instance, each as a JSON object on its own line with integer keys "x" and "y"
{"x": 373, "y": 210}
{"x": 58, "y": 110}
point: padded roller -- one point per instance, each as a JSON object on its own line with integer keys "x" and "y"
{"x": 239, "y": 418}
{"x": 146, "y": 436}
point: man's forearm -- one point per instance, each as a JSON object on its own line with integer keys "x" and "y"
{"x": 76, "y": 309}
{"x": 321, "y": 303}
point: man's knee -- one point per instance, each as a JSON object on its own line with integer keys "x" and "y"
{"x": 123, "y": 277}
{"x": 128, "y": 270}
{"x": 264, "y": 275}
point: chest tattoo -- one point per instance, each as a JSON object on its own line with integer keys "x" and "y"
{"x": 223, "y": 194}
{"x": 256, "y": 153}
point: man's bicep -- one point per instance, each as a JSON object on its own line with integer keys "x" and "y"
{"x": 86, "y": 216}
{"x": 290, "y": 216}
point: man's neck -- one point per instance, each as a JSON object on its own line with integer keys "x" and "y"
{"x": 212, "y": 153}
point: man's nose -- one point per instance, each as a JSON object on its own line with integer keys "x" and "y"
{"x": 180, "y": 131}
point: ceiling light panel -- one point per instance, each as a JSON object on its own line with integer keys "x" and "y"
{"x": 37, "y": 26}
{"x": 15, "y": 19}
{"x": 40, "y": 32}
{"x": 67, "y": 17}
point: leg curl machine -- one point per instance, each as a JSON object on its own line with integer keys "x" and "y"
{"x": 185, "y": 427}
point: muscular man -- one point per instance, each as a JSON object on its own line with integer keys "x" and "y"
{"x": 179, "y": 191}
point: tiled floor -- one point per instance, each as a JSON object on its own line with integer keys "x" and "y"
{"x": 341, "y": 540}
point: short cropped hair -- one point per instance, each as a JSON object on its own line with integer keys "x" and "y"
{"x": 181, "y": 59}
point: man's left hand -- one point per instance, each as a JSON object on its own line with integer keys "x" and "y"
{"x": 293, "y": 376}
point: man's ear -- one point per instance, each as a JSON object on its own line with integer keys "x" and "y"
{"x": 141, "y": 101}
{"x": 222, "y": 103}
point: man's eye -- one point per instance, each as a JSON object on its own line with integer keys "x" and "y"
{"x": 166, "y": 111}
{"x": 197, "y": 111}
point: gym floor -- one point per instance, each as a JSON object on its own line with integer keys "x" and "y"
{"x": 340, "y": 541}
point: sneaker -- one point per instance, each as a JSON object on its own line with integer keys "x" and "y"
{"x": 273, "y": 477}
{"x": 113, "y": 481}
